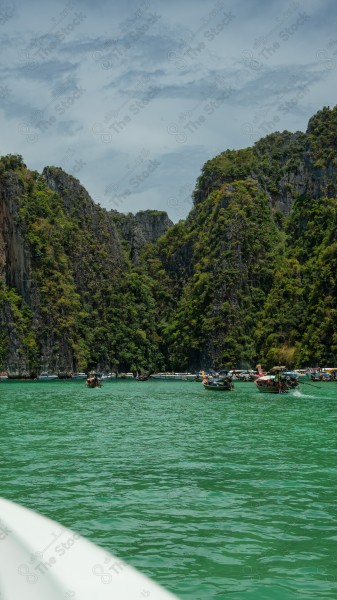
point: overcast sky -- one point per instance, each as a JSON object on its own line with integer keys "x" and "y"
{"x": 132, "y": 97}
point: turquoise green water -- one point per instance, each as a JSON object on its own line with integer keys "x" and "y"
{"x": 216, "y": 496}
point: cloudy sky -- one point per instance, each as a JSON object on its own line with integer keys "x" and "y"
{"x": 132, "y": 97}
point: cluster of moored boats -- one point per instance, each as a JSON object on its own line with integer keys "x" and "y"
{"x": 48, "y": 376}
{"x": 278, "y": 380}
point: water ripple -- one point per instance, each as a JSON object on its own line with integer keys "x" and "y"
{"x": 228, "y": 497}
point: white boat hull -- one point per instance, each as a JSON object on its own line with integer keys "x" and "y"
{"x": 41, "y": 560}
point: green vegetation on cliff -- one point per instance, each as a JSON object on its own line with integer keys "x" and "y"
{"x": 229, "y": 241}
{"x": 250, "y": 275}
{"x": 252, "y": 271}
{"x": 86, "y": 306}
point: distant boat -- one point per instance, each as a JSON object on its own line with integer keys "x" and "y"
{"x": 314, "y": 376}
{"x": 143, "y": 376}
{"x": 301, "y": 374}
{"x": 3, "y": 376}
{"x": 46, "y": 376}
{"x": 330, "y": 373}
{"x": 125, "y": 376}
{"x": 79, "y": 376}
{"x": 243, "y": 375}
{"x": 174, "y": 376}
{"x": 105, "y": 376}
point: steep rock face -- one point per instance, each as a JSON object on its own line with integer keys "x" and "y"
{"x": 15, "y": 359}
{"x": 153, "y": 223}
{"x": 239, "y": 289}
{"x": 286, "y": 165}
{"x": 15, "y": 262}
{"x": 140, "y": 229}
{"x": 311, "y": 178}
{"x": 80, "y": 206}
{"x": 95, "y": 222}
{"x": 83, "y": 307}
{"x": 229, "y": 239}
{"x": 15, "y": 273}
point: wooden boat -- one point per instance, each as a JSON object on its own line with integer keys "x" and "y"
{"x": 93, "y": 381}
{"x": 268, "y": 384}
{"x": 273, "y": 383}
{"x": 218, "y": 384}
{"x": 143, "y": 376}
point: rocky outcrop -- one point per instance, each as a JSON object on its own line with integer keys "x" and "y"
{"x": 153, "y": 224}
{"x": 15, "y": 274}
{"x": 78, "y": 204}
{"x": 310, "y": 178}
{"x": 144, "y": 227}
{"x": 285, "y": 165}
{"x": 68, "y": 297}
{"x": 15, "y": 260}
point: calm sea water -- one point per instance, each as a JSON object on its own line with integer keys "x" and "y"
{"x": 215, "y": 496}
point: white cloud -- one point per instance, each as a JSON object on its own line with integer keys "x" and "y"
{"x": 94, "y": 86}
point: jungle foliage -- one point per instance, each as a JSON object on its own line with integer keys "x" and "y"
{"x": 250, "y": 276}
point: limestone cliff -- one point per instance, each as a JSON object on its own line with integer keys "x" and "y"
{"x": 15, "y": 263}
{"x": 286, "y": 165}
{"x": 144, "y": 227}
{"x": 250, "y": 275}
{"x": 69, "y": 299}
